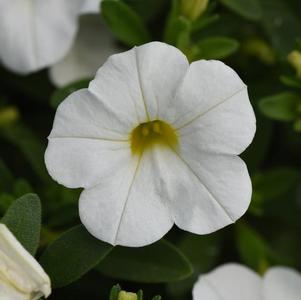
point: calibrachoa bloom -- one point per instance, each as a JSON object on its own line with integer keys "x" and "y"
{"x": 34, "y": 34}
{"x": 236, "y": 282}
{"x": 153, "y": 142}
{"x": 21, "y": 276}
{"x": 92, "y": 46}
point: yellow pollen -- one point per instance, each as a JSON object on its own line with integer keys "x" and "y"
{"x": 148, "y": 134}
{"x": 144, "y": 130}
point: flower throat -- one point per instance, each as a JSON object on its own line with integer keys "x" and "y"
{"x": 148, "y": 134}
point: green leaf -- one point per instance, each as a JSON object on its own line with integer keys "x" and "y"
{"x": 115, "y": 292}
{"x": 159, "y": 262}
{"x": 249, "y": 9}
{"x": 157, "y": 298}
{"x": 203, "y": 252}
{"x": 23, "y": 218}
{"x": 21, "y": 187}
{"x": 252, "y": 248}
{"x": 216, "y": 48}
{"x": 275, "y": 183}
{"x": 61, "y": 94}
{"x": 33, "y": 150}
{"x": 281, "y": 107}
{"x": 124, "y": 22}
{"x": 291, "y": 81}
{"x": 282, "y": 24}
{"x": 72, "y": 255}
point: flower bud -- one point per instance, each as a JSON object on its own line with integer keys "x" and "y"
{"x": 294, "y": 58}
{"x": 21, "y": 276}
{"x": 8, "y": 115}
{"x": 127, "y": 296}
{"x": 192, "y": 9}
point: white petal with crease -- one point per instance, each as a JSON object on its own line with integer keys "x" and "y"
{"x": 128, "y": 207}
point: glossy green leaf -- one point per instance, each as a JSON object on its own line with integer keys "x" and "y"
{"x": 216, "y": 48}
{"x": 249, "y": 9}
{"x": 61, "y": 94}
{"x": 23, "y": 218}
{"x": 124, "y": 22}
{"x": 159, "y": 262}
{"x": 72, "y": 255}
{"x": 281, "y": 107}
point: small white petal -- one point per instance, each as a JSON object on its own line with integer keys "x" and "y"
{"x": 228, "y": 282}
{"x": 36, "y": 34}
{"x": 141, "y": 81}
{"x": 206, "y": 191}
{"x": 161, "y": 69}
{"x": 85, "y": 141}
{"x": 128, "y": 207}
{"x": 19, "y": 271}
{"x": 91, "y": 6}
{"x": 212, "y": 109}
{"x": 93, "y": 45}
{"x": 281, "y": 283}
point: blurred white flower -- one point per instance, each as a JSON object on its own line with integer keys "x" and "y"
{"x": 154, "y": 141}
{"x": 236, "y": 282}
{"x": 93, "y": 45}
{"x": 91, "y": 6}
{"x": 35, "y": 34}
{"x": 21, "y": 276}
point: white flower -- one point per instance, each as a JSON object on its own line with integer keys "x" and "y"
{"x": 21, "y": 276}
{"x": 154, "y": 141}
{"x": 34, "y": 34}
{"x": 91, "y": 6}
{"x": 93, "y": 45}
{"x": 236, "y": 282}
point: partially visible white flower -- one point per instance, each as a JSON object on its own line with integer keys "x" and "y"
{"x": 34, "y": 34}
{"x": 93, "y": 45}
{"x": 91, "y": 6}
{"x": 154, "y": 141}
{"x": 237, "y": 282}
{"x": 21, "y": 276}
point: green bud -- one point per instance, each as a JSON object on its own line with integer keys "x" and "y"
{"x": 8, "y": 115}
{"x": 260, "y": 49}
{"x": 192, "y": 9}
{"x": 294, "y": 58}
{"x": 127, "y": 296}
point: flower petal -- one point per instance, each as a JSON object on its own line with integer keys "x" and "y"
{"x": 20, "y": 269}
{"x": 281, "y": 283}
{"x": 206, "y": 191}
{"x": 228, "y": 282}
{"x": 93, "y": 45}
{"x": 91, "y": 6}
{"x": 128, "y": 207}
{"x": 83, "y": 162}
{"x": 143, "y": 78}
{"x": 36, "y": 34}
{"x": 212, "y": 109}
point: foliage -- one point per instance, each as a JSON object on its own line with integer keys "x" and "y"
{"x": 254, "y": 37}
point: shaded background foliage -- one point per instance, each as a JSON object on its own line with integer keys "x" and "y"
{"x": 255, "y": 38}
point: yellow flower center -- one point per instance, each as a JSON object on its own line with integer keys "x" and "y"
{"x": 148, "y": 134}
